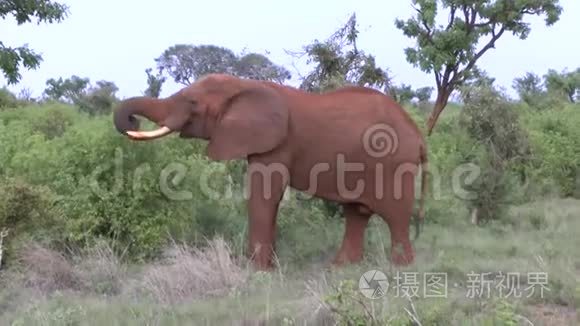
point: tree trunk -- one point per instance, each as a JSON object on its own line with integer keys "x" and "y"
{"x": 440, "y": 103}
{"x": 474, "y": 216}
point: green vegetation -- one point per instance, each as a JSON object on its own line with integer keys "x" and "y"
{"x": 12, "y": 59}
{"x": 96, "y": 229}
{"x": 90, "y": 213}
{"x": 185, "y": 63}
{"x": 451, "y": 51}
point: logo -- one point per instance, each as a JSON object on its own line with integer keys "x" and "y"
{"x": 380, "y": 140}
{"x": 373, "y": 284}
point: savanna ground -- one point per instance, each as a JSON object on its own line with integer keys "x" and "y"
{"x": 81, "y": 252}
{"x": 214, "y": 287}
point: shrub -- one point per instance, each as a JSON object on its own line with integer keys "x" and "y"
{"x": 7, "y": 99}
{"x": 493, "y": 123}
{"x": 556, "y": 141}
{"x": 53, "y": 121}
{"x": 452, "y": 154}
{"x": 91, "y": 183}
{"x": 28, "y": 212}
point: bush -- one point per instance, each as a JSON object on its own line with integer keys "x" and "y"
{"x": 7, "y": 99}
{"x": 85, "y": 182}
{"x": 53, "y": 121}
{"x": 109, "y": 187}
{"x": 452, "y": 154}
{"x": 556, "y": 141}
{"x": 492, "y": 122}
{"x": 24, "y": 206}
{"x": 29, "y": 213}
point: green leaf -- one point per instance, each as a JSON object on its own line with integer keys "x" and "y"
{"x": 12, "y": 59}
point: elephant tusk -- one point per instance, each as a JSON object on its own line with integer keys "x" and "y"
{"x": 143, "y": 135}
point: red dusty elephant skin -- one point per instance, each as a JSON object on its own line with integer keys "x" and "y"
{"x": 354, "y": 146}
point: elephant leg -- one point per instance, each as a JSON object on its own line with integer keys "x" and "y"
{"x": 357, "y": 218}
{"x": 266, "y": 191}
{"x": 397, "y": 214}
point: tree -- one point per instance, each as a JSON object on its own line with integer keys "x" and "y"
{"x": 186, "y": 63}
{"x": 99, "y": 99}
{"x": 338, "y": 61}
{"x": 528, "y": 87}
{"x": 75, "y": 90}
{"x": 565, "y": 83}
{"x": 13, "y": 58}
{"x": 451, "y": 51}
{"x": 258, "y": 66}
{"x": 402, "y": 94}
{"x": 154, "y": 83}
{"x": 423, "y": 94}
{"x": 68, "y": 90}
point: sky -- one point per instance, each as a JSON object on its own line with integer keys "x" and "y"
{"x": 117, "y": 40}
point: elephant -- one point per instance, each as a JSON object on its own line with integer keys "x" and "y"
{"x": 323, "y": 144}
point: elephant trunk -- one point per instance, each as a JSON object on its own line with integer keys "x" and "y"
{"x": 150, "y": 108}
{"x": 160, "y": 111}
{"x": 125, "y": 120}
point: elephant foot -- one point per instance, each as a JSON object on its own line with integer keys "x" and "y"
{"x": 263, "y": 258}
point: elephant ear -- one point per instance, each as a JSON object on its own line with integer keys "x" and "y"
{"x": 253, "y": 121}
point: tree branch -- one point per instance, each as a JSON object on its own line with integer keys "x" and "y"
{"x": 452, "y": 17}
{"x": 471, "y": 63}
{"x": 429, "y": 34}
{"x": 473, "y": 16}
{"x": 529, "y": 11}
{"x": 445, "y": 80}
{"x": 493, "y": 34}
{"x": 453, "y": 78}
{"x": 466, "y": 15}
{"x": 470, "y": 15}
{"x": 437, "y": 78}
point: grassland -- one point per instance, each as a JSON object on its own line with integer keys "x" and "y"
{"x": 215, "y": 286}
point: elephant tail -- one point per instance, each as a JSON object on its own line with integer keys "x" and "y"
{"x": 424, "y": 182}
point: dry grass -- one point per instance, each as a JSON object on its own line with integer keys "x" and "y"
{"x": 187, "y": 273}
{"x": 101, "y": 270}
{"x": 549, "y": 314}
{"x": 191, "y": 273}
{"x": 96, "y": 270}
{"x": 47, "y": 278}
{"x": 47, "y": 270}
{"x": 213, "y": 286}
